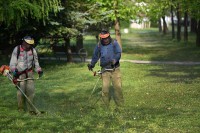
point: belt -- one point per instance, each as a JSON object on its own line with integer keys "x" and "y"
{"x": 110, "y": 67}
{"x": 25, "y": 72}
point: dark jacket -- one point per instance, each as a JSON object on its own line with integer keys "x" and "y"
{"x": 107, "y": 54}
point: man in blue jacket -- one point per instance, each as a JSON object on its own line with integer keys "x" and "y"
{"x": 109, "y": 53}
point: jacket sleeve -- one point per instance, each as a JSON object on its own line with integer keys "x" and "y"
{"x": 96, "y": 56}
{"x": 36, "y": 62}
{"x": 13, "y": 60}
{"x": 118, "y": 51}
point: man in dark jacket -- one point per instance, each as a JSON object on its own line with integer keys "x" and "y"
{"x": 109, "y": 53}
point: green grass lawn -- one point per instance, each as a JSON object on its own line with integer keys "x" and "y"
{"x": 156, "y": 47}
{"x": 158, "y": 98}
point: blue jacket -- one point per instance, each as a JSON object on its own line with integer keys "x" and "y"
{"x": 107, "y": 54}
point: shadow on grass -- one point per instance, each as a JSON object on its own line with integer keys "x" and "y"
{"x": 177, "y": 73}
{"x": 67, "y": 113}
{"x": 154, "y": 46}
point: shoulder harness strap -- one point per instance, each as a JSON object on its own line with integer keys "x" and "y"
{"x": 18, "y": 52}
{"x": 113, "y": 40}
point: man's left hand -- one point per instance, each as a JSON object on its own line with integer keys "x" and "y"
{"x": 16, "y": 73}
{"x": 113, "y": 62}
{"x": 40, "y": 73}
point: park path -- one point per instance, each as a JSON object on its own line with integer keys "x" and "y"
{"x": 134, "y": 61}
{"x": 158, "y": 62}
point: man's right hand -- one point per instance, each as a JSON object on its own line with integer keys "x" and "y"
{"x": 40, "y": 73}
{"x": 15, "y": 81}
{"x": 90, "y": 67}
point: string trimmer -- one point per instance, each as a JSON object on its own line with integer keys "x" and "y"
{"x": 5, "y": 71}
{"x": 98, "y": 73}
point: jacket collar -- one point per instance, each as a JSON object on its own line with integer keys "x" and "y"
{"x": 21, "y": 48}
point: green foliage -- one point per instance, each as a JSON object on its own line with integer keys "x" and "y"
{"x": 122, "y": 9}
{"x": 72, "y": 19}
{"x": 194, "y": 8}
{"x": 17, "y": 11}
{"x": 125, "y": 24}
{"x": 158, "y": 8}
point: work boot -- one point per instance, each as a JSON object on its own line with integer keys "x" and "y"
{"x": 105, "y": 99}
{"x": 32, "y": 113}
{"x": 119, "y": 109}
{"x": 21, "y": 110}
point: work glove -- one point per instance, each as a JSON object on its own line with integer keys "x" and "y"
{"x": 113, "y": 61}
{"x": 90, "y": 67}
{"x": 40, "y": 73}
{"x": 14, "y": 81}
{"x": 15, "y": 73}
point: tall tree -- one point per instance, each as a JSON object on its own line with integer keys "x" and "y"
{"x": 193, "y": 25}
{"x": 71, "y": 21}
{"x": 186, "y": 26}
{"x": 194, "y": 10}
{"x": 17, "y": 17}
{"x": 178, "y": 22}
{"x": 158, "y": 10}
{"x": 185, "y": 10}
{"x": 165, "y": 28}
{"x": 16, "y": 12}
{"x": 116, "y": 11}
{"x": 172, "y": 20}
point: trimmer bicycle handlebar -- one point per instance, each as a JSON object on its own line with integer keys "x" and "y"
{"x": 106, "y": 70}
{"x": 21, "y": 80}
{"x": 99, "y": 72}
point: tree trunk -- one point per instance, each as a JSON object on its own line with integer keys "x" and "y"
{"x": 172, "y": 19}
{"x": 68, "y": 49}
{"x": 117, "y": 32}
{"x": 165, "y": 29}
{"x": 178, "y": 23}
{"x": 198, "y": 35}
{"x": 117, "y": 25}
{"x": 79, "y": 42}
{"x": 193, "y": 25}
{"x": 97, "y": 38}
{"x": 186, "y": 27}
{"x": 159, "y": 25}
